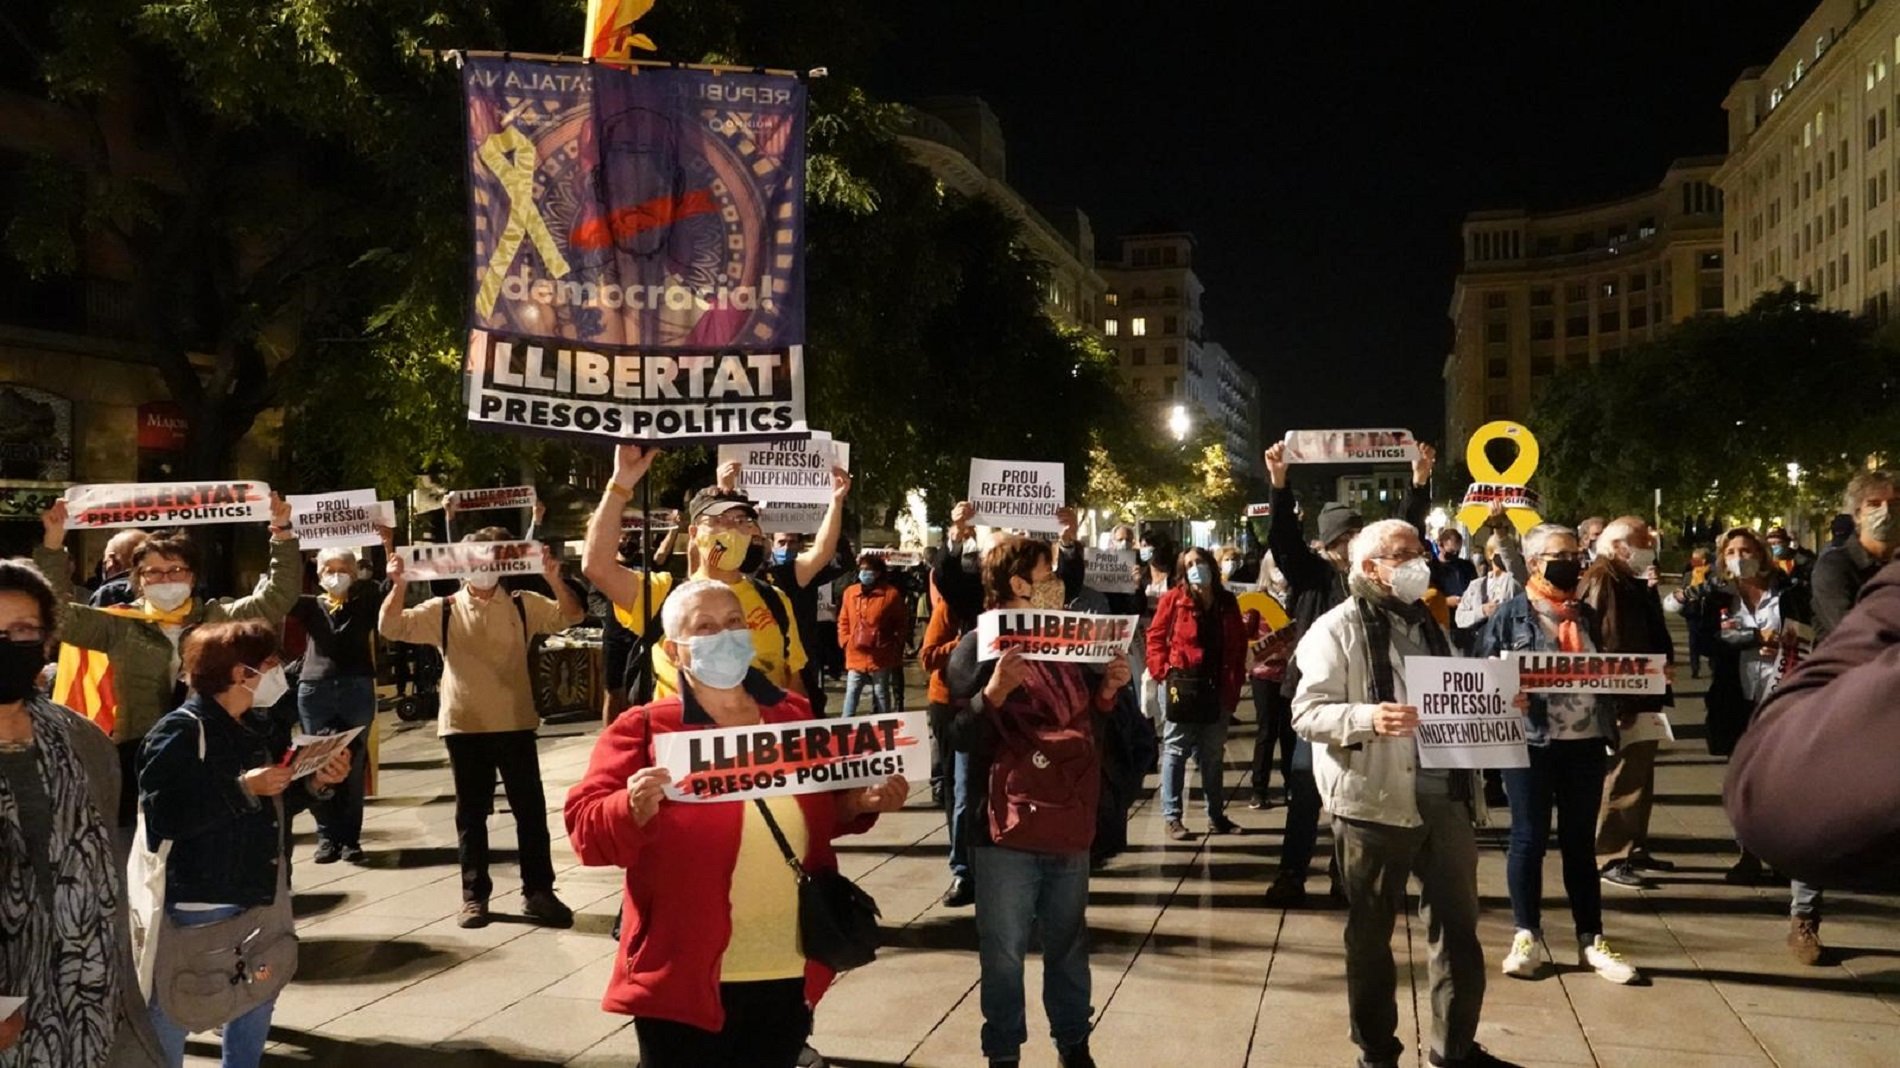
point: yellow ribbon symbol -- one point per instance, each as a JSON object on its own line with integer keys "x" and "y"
{"x": 1473, "y": 515}
{"x": 524, "y": 219}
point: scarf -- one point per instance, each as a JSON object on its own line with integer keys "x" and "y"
{"x": 1560, "y": 606}
{"x": 177, "y": 617}
{"x": 64, "y": 961}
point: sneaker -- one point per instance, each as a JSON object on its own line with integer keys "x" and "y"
{"x": 1287, "y": 892}
{"x": 1620, "y": 874}
{"x": 1477, "y": 1057}
{"x": 1608, "y": 963}
{"x": 1179, "y": 832}
{"x": 328, "y": 852}
{"x": 811, "y": 1058}
{"x": 474, "y": 914}
{"x": 353, "y": 854}
{"x": 1804, "y": 940}
{"x": 1260, "y": 804}
{"x": 544, "y": 908}
{"x": 962, "y": 893}
{"x": 1076, "y": 1056}
{"x": 1524, "y": 960}
{"x": 1641, "y": 860}
{"x": 1222, "y": 825}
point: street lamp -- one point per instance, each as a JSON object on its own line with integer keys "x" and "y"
{"x": 1178, "y": 422}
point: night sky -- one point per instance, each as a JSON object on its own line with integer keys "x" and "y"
{"x": 1325, "y": 154}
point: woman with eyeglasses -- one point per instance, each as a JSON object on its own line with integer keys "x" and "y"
{"x": 1570, "y": 736}
{"x": 141, "y": 639}
{"x": 64, "y": 945}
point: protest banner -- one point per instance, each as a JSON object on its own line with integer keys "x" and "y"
{"x": 800, "y": 757}
{"x": 1465, "y": 715}
{"x": 658, "y": 209}
{"x": 1350, "y": 446}
{"x": 1627, "y": 674}
{"x": 1110, "y": 570}
{"x": 494, "y": 498}
{"x": 340, "y": 520}
{"x": 310, "y": 752}
{"x": 791, "y": 472}
{"x": 1049, "y": 634}
{"x": 166, "y": 504}
{"x": 1485, "y": 494}
{"x": 658, "y": 519}
{"x": 24, "y": 501}
{"x": 896, "y": 558}
{"x": 469, "y": 559}
{"x": 1017, "y": 494}
{"x": 632, "y": 395}
{"x": 1492, "y": 483}
{"x": 1259, "y": 510}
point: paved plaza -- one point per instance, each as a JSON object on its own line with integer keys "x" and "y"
{"x": 1190, "y": 968}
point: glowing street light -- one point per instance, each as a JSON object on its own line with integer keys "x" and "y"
{"x": 1178, "y": 422}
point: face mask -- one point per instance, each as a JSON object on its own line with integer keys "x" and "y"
{"x": 20, "y": 665}
{"x": 1877, "y": 524}
{"x": 1497, "y": 561}
{"x": 1743, "y": 567}
{"x": 1145, "y": 553}
{"x": 167, "y": 596}
{"x": 781, "y": 555}
{"x": 1046, "y": 594}
{"x": 869, "y": 578}
{"x": 1640, "y": 560}
{"x": 720, "y": 660}
{"x": 334, "y": 582}
{"x": 1410, "y": 580}
{"x": 754, "y": 558}
{"x": 1563, "y": 574}
{"x": 271, "y": 687}
{"x": 1226, "y": 569}
{"x": 724, "y": 550}
{"x": 1781, "y": 552}
{"x": 1198, "y": 575}
{"x": 482, "y": 582}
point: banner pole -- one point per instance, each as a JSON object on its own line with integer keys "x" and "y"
{"x": 457, "y": 55}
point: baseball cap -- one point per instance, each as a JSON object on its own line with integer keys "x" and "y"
{"x": 713, "y": 501}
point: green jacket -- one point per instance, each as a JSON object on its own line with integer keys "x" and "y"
{"x": 144, "y": 678}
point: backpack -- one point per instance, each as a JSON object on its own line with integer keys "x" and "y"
{"x": 637, "y": 676}
{"x": 771, "y": 595}
{"x": 1045, "y": 775}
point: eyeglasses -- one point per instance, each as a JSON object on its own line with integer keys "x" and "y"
{"x": 1572, "y": 556}
{"x": 25, "y": 633}
{"x": 1401, "y": 558}
{"x": 729, "y": 520}
{"x": 154, "y": 574}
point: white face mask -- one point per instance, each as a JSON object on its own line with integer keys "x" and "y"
{"x": 482, "y": 582}
{"x": 166, "y": 596}
{"x": 1227, "y": 568}
{"x": 270, "y": 688}
{"x": 334, "y": 582}
{"x": 1744, "y": 567}
{"x": 1641, "y": 559}
{"x": 1410, "y": 580}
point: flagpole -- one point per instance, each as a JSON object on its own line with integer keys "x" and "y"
{"x": 460, "y": 54}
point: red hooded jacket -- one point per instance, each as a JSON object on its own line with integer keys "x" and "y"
{"x": 1175, "y": 641}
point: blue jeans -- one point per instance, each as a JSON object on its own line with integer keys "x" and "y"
{"x": 1207, "y": 744}
{"x": 1017, "y": 890}
{"x": 1806, "y": 900}
{"x": 881, "y": 691}
{"x": 1566, "y": 776}
{"x": 244, "y": 1037}
{"x": 331, "y": 706}
{"x": 960, "y": 814}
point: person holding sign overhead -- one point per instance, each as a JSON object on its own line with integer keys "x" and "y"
{"x": 1197, "y": 655}
{"x": 710, "y": 962}
{"x": 1568, "y": 736}
{"x": 1393, "y": 819}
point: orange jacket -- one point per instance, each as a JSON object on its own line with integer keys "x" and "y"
{"x": 879, "y": 608}
{"x": 941, "y": 635}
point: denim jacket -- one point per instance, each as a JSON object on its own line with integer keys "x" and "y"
{"x": 1514, "y": 628}
{"x": 226, "y": 844}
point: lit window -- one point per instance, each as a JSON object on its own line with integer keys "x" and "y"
{"x": 1112, "y": 328}
{"x": 1138, "y": 326}
{"x": 1113, "y": 299}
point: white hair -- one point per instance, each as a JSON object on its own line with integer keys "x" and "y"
{"x": 1540, "y": 536}
{"x": 1618, "y": 530}
{"x": 673, "y": 612}
{"x": 324, "y": 556}
{"x": 1375, "y": 538}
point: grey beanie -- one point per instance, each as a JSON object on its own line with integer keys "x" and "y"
{"x": 1336, "y": 520}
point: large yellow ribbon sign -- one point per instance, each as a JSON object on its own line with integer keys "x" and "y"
{"x": 524, "y": 219}
{"x": 1474, "y": 515}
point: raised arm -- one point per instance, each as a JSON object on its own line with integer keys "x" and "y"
{"x": 819, "y": 556}
{"x": 79, "y": 624}
{"x": 621, "y": 584}
{"x": 284, "y": 582}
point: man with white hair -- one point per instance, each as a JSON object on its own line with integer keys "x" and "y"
{"x": 115, "y": 569}
{"x": 1392, "y": 818}
{"x": 1620, "y": 587}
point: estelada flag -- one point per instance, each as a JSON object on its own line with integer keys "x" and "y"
{"x": 610, "y": 29}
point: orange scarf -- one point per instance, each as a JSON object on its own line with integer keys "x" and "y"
{"x": 1563, "y": 607}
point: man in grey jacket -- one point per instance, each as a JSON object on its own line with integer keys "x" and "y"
{"x": 1391, "y": 818}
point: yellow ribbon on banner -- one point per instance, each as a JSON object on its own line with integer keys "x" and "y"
{"x": 1519, "y": 473}
{"x": 524, "y": 219}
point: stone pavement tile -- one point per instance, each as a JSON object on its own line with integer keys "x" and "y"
{"x": 1683, "y": 1014}
{"x": 587, "y": 983}
{"x": 556, "y": 1029}
{"x": 470, "y": 992}
{"x": 899, "y": 998}
{"x": 862, "y": 1051}
{"x": 1801, "y": 1040}
{"x": 1639, "y": 1056}
{"x": 618, "y": 1050}
{"x": 1130, "y": 1038}
{"x": 1544, "y": 1034}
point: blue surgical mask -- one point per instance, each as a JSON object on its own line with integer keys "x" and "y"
{"x": 1146, "y": 553}
{"x": 720, "y": 660}
{"x": 867, "y": 577}
{"x": 1199, "y": 575}
{"x": 781, "y": 555}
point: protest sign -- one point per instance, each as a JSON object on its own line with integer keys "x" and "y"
{"x": 166, "y": 504}
{"x": 800, "y": 757}
{"x": 658, "y": 519}
{"x": 632, "y": 395}
{"x": 1350, "y": 446}
{"x": 26, "y": 500}
{"x": 793, "y": 472}
{"x": 1505, "y": 486}
{"x": 1110, "y": 570}
{"x": 1465, "y": 715}
{"x": 469, "y": 559}
{"x": 1628, "y": 674}
{"x": 340, "y": 520}
{"x": 1048, "y": 634}
{"x": 781, "y": 517}
{"x": 1016, "y": 494}
{"x": 660, "y": 209}
{"x": 310, "y": 752}
{"x": 897, "y": 558}
{"x": 1486, "y": 494}
{"x": 11, "y": 1005}
{"x": 1646, "y": 727}
{"x": 1259, "y": 510}
{"x": 494, "y": 498}
{"x": 1272, "y": 613}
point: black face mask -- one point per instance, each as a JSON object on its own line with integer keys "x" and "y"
{"x": 754, "y": 557}
{"x": 1563, "y": 574}
{"x": 20, "y": 666}
{"x": 1497, "y": 561}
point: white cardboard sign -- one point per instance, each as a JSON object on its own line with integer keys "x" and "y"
{"x": 1350, "y": 446}
{"x": 1466, "y": 718}
{"x": 1017, "y": 494}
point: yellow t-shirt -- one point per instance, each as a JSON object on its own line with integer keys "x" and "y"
{"x": 764, "y": 899}
{"x": 769, "y": 645}
{"x": 630, "y": 614}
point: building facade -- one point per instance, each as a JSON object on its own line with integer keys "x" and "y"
{"x": 1813, "y": 162}
{"x": 1544, "y": 293}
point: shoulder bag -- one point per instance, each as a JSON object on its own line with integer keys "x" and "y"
{"x": 837, "y": 920}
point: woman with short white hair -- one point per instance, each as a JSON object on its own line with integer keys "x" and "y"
{"x": 336, "y": 690}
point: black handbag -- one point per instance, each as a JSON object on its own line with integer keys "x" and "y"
{"x": 1191, "y": 698}
{"x": 837, "y": 920}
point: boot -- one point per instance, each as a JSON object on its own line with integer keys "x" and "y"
{"x": 1804, "y": 940}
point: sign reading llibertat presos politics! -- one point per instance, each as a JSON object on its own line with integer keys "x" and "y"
{"x": 494, "y": 498}
{"x": 1050, "y": 634}
{"x": 469, "y": 559}
{"x": 1466, "y": 718}
{"x": 166, "y": 504}
{"x": 633, "y": 395}
{"x": 1486, "y": 494}
{"x": 1350, "y": 446}
{"x": 801, "y": 757}
{"x": 1628, "y": 674}
{"x": 1018, "y": 494}
{"x": 785, "y": 472}
{"x": 659, "y": 209}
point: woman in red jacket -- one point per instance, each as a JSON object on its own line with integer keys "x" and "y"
{"x": 1197, "y": 655}
{"x": 710, "y": 965}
